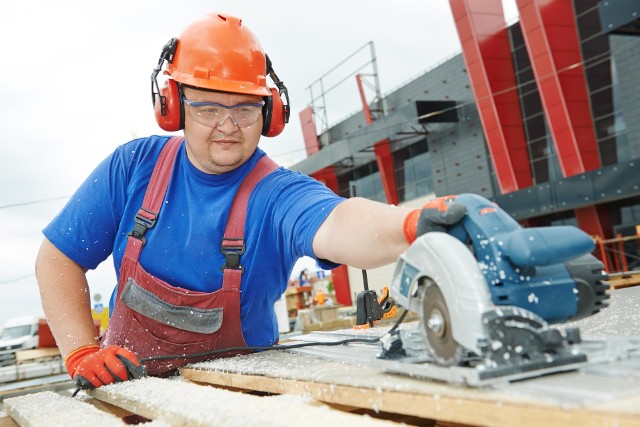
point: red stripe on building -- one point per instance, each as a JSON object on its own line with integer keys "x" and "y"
{"x": 549, "y": 30}
{"x": 487, "y": 54}
{"x": 309, "y": 131}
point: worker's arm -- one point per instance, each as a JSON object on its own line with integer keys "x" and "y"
{"x": 64, "y": 292}
{"x": 367, "y": 234}
{"x": 362, "y": 233}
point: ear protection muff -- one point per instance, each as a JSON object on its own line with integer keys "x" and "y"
{"x": 275, "y": 112}
{"x": 169, "y": 108}
{"x": 167, "y": 102}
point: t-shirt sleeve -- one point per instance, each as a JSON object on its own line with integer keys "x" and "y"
{"x": 85, "y": 228}
{"x": 303, "y": 205}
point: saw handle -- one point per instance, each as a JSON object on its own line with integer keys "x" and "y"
{"x": 438, "y": 214}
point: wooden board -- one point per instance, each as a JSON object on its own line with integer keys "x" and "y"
{"x": 181, "y": 403}
{"x": 38, "y": 353}
{"x": 51, "y": 409}
{"x": 6, "y": 420}
{"x": 361, "y": 386}
{"x": 175, "y": 402}
{"x": 624, "y": 281}
{"x": 569, "y": 398}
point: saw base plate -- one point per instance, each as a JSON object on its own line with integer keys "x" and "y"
{"x": 594, "y": 353}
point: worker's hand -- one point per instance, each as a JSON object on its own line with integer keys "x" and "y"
{"x": 92, "y": 367}
{"x": 436, "y": 215}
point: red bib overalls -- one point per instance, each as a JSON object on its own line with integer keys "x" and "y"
{"x": 153, "y": 318}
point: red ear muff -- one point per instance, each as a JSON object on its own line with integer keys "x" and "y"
{"x": 274, "y": 114}
{"x": 168, "y": 107}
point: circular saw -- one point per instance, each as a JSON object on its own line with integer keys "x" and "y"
{"x": 487, "y": 291}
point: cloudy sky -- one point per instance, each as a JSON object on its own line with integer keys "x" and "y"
{"x": 74, "y": 84}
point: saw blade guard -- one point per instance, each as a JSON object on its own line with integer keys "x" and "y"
{"x": 444, "y": 260}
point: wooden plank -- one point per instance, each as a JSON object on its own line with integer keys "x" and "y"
{"x": 182, "y": 403}
{"x": 365, "y": 387}
{"x": 6, "y": 420}
{"x": 624, "y": 282}
{"x": 38, "y": 353}
{"x": 50, "y": 409}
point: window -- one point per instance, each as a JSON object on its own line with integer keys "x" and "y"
{"x": 418, "y": 178}
{"x": 369, "y": 187}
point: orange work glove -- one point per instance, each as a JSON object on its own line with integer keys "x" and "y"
{"x": 92, "y": 367}
{"x": 436, "y": 215}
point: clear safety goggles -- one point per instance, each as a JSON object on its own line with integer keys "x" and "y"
{"x": 212, "y": 114}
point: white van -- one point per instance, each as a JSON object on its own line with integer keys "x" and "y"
{"x": 20, "y": 333}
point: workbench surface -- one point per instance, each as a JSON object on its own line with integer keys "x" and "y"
{"x": 314, "y": 391}
{"x": 585, "y": 397}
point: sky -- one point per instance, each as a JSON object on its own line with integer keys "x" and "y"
{"x": 74, "y": 84}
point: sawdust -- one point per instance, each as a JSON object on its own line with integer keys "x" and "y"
{"x": 51, "y": 409}
{"x": 622, "y": 317}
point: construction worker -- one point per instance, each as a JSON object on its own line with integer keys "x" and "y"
{"x": 204, "y": 230}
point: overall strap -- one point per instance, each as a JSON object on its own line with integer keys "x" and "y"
{"x": 233, "y": 245}
{"x": 156, "y": 190}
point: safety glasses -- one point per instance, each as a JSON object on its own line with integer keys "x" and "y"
{"x": 212, "y": 114}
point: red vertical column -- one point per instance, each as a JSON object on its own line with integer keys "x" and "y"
{"x": 384, "y": 159}
{"x": 594, "y": 220}
{"x": 550, "y": 33}
{"x": 487, "y": 54}
{"x": 340, "y": 275}
{"x": 309, "y": 131}
{"x": 328, "y": 177}
{"x": 365, "y": 106}
{"x": 341, "y": 285}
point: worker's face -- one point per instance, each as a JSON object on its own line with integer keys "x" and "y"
{"x": 225, "y": 147}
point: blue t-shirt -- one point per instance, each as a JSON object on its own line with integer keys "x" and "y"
{"x": 183, "y": 248}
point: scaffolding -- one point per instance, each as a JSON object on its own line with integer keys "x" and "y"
{"x": 366, "y": 75}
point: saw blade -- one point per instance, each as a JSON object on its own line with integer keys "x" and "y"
{"x": 438, "y": 328}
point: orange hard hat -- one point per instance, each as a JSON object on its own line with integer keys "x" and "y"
{"x": 219, "y": 53}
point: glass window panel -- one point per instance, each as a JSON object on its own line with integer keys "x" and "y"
{"x": 602, "y": 103}
{"x": 541, "y": 171}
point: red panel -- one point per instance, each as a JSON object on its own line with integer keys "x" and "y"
{"x": 45, "y": 337}
{"x": 327, "y": 176}
{"x": 309, "y": 131}
{"x": 487, "y": 55}
{"x": 550, "y": 33}
{"x": 341, "y": 285}
{"x": 363, "y": 98}
{"x": 593, "y": 221}
{"x": 384, "y": 159}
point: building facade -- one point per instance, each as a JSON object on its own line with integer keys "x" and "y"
{"x": 542, "y": 116}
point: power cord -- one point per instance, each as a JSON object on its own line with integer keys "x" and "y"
{"x": 270, "y": 347}
{"x": 258, "y": 348}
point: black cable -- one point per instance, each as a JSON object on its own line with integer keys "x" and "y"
{"x": 398, "y": 322}
{"x": 257, "y": 348}
{"x": 254, "y": 348}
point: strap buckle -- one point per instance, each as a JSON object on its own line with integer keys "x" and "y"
{"x": 142, "y": 224}
{"x": 232, "y": 248}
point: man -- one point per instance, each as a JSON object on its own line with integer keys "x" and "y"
{"x": 204, "y": 232}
